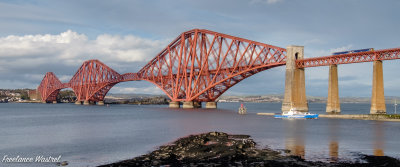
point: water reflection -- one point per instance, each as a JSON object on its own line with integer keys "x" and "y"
{"x": 333, "y": 145}
{"x": 379, "y": 139}
{"x": 334, "y": 151}
{"x": 296, "y": 131}
{"x": 295, "y": 137}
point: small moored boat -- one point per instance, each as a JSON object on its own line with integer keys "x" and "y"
{"x": 296, "y": 114}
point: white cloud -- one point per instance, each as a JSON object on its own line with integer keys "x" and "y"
{"x": 24, "y": 60}
{"x": 71, "y": 47}
{"x": 64, "y": 78}
{"x": 133, "y": 90}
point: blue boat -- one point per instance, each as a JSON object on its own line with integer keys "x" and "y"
{"x": 296, "y": 114}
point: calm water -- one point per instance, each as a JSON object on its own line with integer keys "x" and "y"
{"x": 94, "y": 135}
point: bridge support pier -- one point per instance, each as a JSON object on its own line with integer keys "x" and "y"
{"x": 197, "y": 104}
{"x": 295, "y": 91}
{"x": 378, "y": 105}
{"x": 78, "y": 102}
{"x": 100, "y": 103}
{"x": 174, "y": 104}
{"x": 333, "y": 103}
{"x": 86, "y": 102}
{"x": 188, "y": 104}
{"x": 211, "y": 104}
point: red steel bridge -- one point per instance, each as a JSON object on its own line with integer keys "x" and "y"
{"x": 199, "y": 65}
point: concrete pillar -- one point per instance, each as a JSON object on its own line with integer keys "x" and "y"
{"x": 54, "y": 102}
{"x": 332, "y": 103}
{"x": 378, "y": 105}
{"x": 188, "y": 104}
{"x": 197, "y": 104}
{"x": 211, "y": 104}
{"x": 100, "y": 103}
{"x": 295, "y": 90}
{"x": 78, "y": 102}
{"x": 86, "y": 102}
{"x": 174, "y": 104}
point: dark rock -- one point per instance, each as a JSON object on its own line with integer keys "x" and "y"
{"x": 221, "y": 149}
{"x": 63, "y": 163}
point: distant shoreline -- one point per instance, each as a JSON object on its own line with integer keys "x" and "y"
{"x": 104, "y": 103}
{"x": 166, "y": 103}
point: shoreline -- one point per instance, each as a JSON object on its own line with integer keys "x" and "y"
{"x": 222, "y": 149}
{"x": 373, "y": 117}
{"x": 113, "y": 103}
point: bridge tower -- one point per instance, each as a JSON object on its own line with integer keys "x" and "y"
{"x": 295, "y": 90}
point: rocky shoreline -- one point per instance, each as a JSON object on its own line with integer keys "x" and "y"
{"x": 222, "y": 149}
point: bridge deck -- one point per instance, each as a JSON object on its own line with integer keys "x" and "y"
{"x": 385, "y": 54}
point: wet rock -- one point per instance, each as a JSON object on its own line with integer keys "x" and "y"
{"x": 155, "y": 163}
{"x": 222, "y": 149}
{"x": 63, "y": 163}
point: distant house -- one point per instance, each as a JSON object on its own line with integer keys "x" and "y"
{"x": 34, "y": 95}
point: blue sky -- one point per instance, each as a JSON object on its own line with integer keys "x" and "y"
{"x": 41, "y": 36}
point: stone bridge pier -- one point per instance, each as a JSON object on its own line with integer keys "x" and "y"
{"x": 295, "y": 90}
{"x": 191, "y": 104}
{"x": 378, "y": 105}
{"x": 332, "y": 102}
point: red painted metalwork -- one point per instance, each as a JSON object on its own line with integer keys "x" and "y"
{"x": 49, "y": 87}
{"x": 385, "y": 54}
{"x": 199, "y": 65}
{"x": 93, "y": 80}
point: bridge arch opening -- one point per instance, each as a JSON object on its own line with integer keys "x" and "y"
{"x": 66, "y": 95}
{"x": 273, "y": 84}
{"x": 136, "y": 92}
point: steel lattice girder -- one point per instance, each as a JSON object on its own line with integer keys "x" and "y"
{"x": 385, "y": 54}
{"x": 200, "y": 65}
{"x": 49, "y": 87}
{"x": 93, "y": 80}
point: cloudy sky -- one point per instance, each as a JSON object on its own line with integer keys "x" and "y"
{"x": 41, "y": 36}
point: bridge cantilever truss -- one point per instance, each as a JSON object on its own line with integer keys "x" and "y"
{"x": 49, "y": 87}
{"x": 199, "y": 65}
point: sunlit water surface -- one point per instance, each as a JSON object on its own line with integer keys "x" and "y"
{"x": 94, "y": 135}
